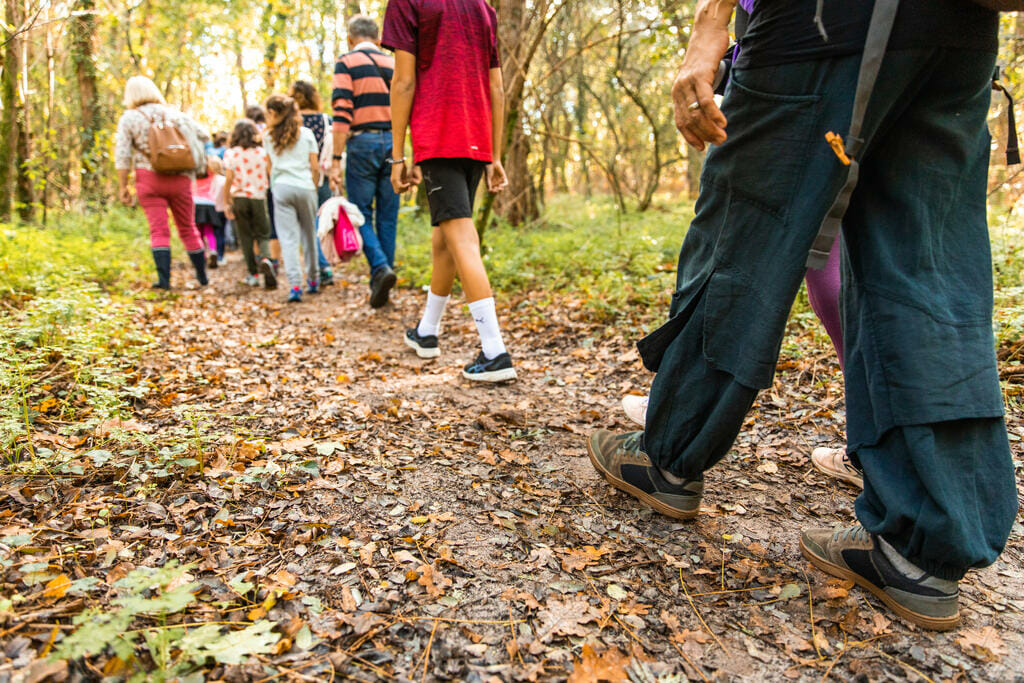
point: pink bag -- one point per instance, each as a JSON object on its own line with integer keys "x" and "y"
{"x": 347, "y": 240}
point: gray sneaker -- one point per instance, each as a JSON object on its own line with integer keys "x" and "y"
{"x": 620, "y": 459}
{"x": 854, "y": 554}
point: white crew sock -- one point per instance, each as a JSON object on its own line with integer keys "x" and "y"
{"x": 486, "y": 319}
{"x": 431, "y": 322}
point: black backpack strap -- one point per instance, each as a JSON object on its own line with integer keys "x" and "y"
{"x": 1012, "y": 146}
{"x": 883, "y": 18}
{"x": 380, "y": 72}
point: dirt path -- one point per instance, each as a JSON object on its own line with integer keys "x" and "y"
{"x": 458, "y": 532}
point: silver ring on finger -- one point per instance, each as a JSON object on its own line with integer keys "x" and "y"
{"x": 694, "y": 107}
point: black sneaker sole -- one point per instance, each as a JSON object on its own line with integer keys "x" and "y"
{"x": 916, "y": 618}
{"x": 422, "y": 351}
{"x": 380, "y": 297}
{"x": 269, "y": 278}
{"x": 493, "y": 377}
{"x": 646, "y": 498}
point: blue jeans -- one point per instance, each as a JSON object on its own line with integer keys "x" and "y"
{"x": 323, "y": 193}
{"x": 368, "y": 184}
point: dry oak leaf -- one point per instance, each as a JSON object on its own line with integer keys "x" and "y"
{"x": 580, "y": 558}
{"x": 565, "y": 619}
{"x": 610, "y": 666}
{"x": 512, "y": 595}
{"x": 433, "y": 580}
{"x": 984, "y": 644}
{"x": 58, "y": 587}
{"x": 298, "y": 444}
{"x": 686, "y": 634}
{"x": 108, "y": 427}
{"x": 879, "y": 625}
{"x": 283, "y": 578}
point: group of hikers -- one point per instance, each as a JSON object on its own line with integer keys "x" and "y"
{"x": 888, "y": 227}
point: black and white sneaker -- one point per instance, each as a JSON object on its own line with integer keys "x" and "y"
{"x": 380, "y": 286}
{"x": 425, "y": 347}
{"x": 269, "y": 271}
{"x": 498, "y": 369}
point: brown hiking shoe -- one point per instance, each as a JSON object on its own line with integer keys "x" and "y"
{"x": 620, "y": 459}
{"x": 854, "y": 554}
{"x": 834, "y": 462}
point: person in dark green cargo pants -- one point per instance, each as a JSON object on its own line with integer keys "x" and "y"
{"x": 924, "y": 408}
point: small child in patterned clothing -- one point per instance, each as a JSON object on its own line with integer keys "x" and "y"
{"x": 247, "y": 178}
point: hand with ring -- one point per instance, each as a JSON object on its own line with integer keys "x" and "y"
{"x": 697, "y": 116}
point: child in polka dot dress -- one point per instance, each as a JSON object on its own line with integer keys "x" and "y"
{"x": 247, "y": 177}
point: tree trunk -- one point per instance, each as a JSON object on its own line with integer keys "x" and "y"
{"x": 521, "y": 30}
{"x": 24, "y": 189}
{"x": 240, "y": 74}
{"x": 519, "y": 202}
{"x": 10, "y": 122}
{"x": 82, "y": 31}
{"x": 274, "y": 25}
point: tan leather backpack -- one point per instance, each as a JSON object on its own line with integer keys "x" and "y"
{"x": 169, "y": 151}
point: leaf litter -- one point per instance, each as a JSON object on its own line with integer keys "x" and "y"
{"x": 298, "y": 497}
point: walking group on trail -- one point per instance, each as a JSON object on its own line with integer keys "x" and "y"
{"x": 904, "y": 289}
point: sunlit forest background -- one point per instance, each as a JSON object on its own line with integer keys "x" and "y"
{"x": 588, "y": 86}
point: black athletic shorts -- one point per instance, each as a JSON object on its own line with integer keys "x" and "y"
{"x": 451, "y": 187}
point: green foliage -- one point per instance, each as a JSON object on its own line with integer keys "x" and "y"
{"x": 67, "y": 341}
{"x": 107, "y": 248}
{"x": 622, "y": 266}
{"x": 1007, "y": 231}
{"x": 173, "y": 651}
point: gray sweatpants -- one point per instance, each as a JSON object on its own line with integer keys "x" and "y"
{"x": 295, "y": 220}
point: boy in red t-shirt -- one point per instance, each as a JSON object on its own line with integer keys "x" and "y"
{"x": 447, "y": 87}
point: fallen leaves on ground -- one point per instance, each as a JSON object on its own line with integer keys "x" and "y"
{"x": 377, "y": 517}
{"x": 609, "y": 666}
{"x": 985, "y": 644}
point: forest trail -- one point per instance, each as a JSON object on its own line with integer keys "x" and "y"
{"x": 427, "y": 528}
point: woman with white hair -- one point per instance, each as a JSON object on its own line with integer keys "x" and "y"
{"x": 158, "y": 192}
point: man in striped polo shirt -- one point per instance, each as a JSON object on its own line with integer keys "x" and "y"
{"x": 362, "y": 125}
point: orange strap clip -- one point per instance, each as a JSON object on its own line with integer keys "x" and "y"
{"x": 836, "y": 142}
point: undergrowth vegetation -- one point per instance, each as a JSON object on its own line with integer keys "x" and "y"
{"x": 618, "y": 264}
{"x": 67, "y": 342}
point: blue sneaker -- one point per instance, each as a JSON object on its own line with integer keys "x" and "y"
{"x": 314, "y": 287}
{"x": 296, "y": 296}
{"x": 498, "y": 369}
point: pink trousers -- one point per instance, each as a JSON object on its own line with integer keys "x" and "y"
{"x": 157, "y": 193}
{"x": 209, "y": 237}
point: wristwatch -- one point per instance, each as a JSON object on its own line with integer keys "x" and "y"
{"x": 396, "y": 161}
{"x": 338, "y": 157}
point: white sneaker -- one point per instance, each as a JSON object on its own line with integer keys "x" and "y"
{"x": 636, "y": 408}
{"x": 251, "y": 280}
{"x": 834, "y": 462}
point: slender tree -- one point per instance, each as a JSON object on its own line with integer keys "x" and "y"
{"x": 82, "y": 32}
{"x": 10, "y": 121}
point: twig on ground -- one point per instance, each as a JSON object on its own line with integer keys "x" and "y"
{"x": 686, "y": 592}
{"x": 426, "y": 654}
{"x": 810, "y": 603}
